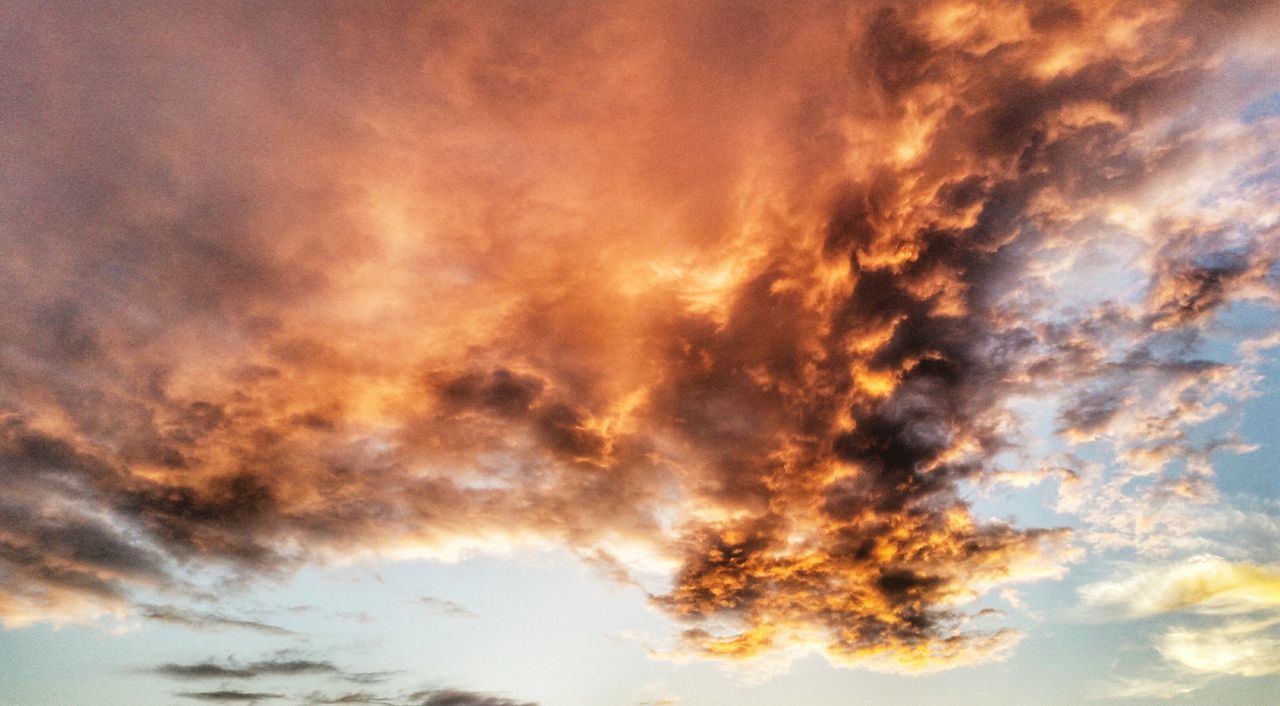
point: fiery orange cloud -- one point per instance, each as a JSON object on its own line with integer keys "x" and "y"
{"x": 746, "y": 284}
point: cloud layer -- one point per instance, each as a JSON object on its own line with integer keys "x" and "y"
{"x": 749, "y": 290}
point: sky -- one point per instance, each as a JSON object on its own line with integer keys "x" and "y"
{"x": 640, "y": 353}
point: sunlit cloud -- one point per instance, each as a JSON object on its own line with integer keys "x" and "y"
{"x": 1206, "y": 584}
{"x": 734, "y": 302}
{"x": 1242, "y": 641}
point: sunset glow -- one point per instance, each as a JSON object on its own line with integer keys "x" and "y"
{"x": 698, "y": 353}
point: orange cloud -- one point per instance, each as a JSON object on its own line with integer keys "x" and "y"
{"x": 736, "y": 283}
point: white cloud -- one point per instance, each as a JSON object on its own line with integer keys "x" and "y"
{"x": 1245, "y": 645}
{"x": 1202, "y": 584}
{"x": 1247, "y": 649}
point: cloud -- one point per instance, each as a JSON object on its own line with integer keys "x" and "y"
{"x": 1164, "y": 687}
{"x": 282, "y": 665}
{"x": 296, "y": 669}
{"x": 205, "y": 621}
{"x": 352, "y": 697}
{"x": 1205, "y": 584}
{"x": 204, "y": 670}
{"x": 340, "y": 291}
{"x": 445, "y": 607}
{"x": 431, "y": 697}
{"x": 275, "y": 667}
{"x": 251, "y": 697}
{"x": 1242, "y": 641}
{"x": 1241, "y": 648}
{"x": 458, "y": 697}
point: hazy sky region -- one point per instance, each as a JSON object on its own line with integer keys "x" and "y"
{"x": 685, "y": 353}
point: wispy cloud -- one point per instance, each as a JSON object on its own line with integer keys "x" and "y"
{"x": 1242, "y": 641}
{"x": 1247, "y": 648}
{"x": 431, "y": 697}
{"x": 445, "y": 607}
{"x": 285, "y": 664}
{"x": 204, "y": 620}
{"x": 1204, "y": 584}
{"x": 458, "y": 697}
{"x": 214, "y": 670}
{"x": 351, "y": 697}
{"x": 220, "y": 696}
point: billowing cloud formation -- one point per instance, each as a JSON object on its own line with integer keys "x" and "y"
{"x": 749, "y": 289}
